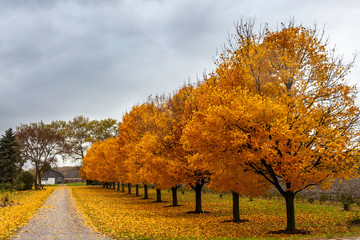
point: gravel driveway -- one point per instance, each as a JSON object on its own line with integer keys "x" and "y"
{"x": 57, "y": 219}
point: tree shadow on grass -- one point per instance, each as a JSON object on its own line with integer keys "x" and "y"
{"x": 194, "y": 212}
{"x": 173, "y": 206}
{"x": 297, "y": 232}
{"x": 235, "y": 221}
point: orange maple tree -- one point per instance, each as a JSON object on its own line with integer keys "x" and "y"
{"x": 277, "y": 111}
{"x": 154, "y": 146}
{"x": 134, "y": 131}
{"x": 207, "y": 134}
{"x": 164, "y": 160}
{"x": 100, "y": 161}
{"x": 283, "y": 110}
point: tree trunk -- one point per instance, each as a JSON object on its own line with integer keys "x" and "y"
{"x": 146, "y": 195}
{"x": 39, "y": 178}
{"x": 290, "y": 210}
{"x": 236, "y": 210}
{"x": 198, "y": 187}
{"x": 122, "y": 187}
{"x": 36, "y": 178}
{"x": 129, "y": 188}
{"x": 113, "y": 184}
{"x": 103, "y": 184}
{"x": 118, "y": 186}
{"x": 158, "y": 195}
{"x": 174, "y": 196}
{"x": 137, "y": 190}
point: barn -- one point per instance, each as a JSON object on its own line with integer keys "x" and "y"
{"x": 52, "y": 177}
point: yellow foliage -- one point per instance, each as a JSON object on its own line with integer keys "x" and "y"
{"x": 278, "y": 106}
{"x": 123, "y": 216}
{"x": 24, "y": 206}
{"x": 100, "y": 162}
{"x": 276, "y": 111}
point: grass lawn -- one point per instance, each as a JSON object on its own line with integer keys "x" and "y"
{"x": 75, "y": 184}
{"x": 51, "y": 185}
{"x": 23, "y": 205}
{"x": 122, "y": 215}
{"x": 67, "y": 184}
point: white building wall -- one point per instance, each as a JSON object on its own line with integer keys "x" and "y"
{"x": 48, "y": 181}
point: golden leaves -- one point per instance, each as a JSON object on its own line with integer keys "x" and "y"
{"x": 25, "y": 205}
{"x": 275, "y": 111}
{"x": 123, "y": 216}
{"x": 278, "y": 105}
{"x": 100, "y": 161}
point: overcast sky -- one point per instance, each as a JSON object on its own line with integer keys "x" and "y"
{"x": 59, "y": 59}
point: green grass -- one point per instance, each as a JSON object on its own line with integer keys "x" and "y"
{"x": 67, "y": 184}
{"x": 75, "y": 184}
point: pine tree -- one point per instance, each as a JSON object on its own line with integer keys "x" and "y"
{"x": 10, "y": 159}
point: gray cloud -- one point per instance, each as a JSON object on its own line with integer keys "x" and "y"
{"x": 59, "y": 59}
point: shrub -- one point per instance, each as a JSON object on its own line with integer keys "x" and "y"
{"x": 182, "y": 190}
{"x": 19, "y": 185}
{"x": 5, "y": 197}
{"x": 5, "y": 187}
{"x": 311, "y": 200}
{"x": 323, "y": 197}
{"x": 355, "y": 219}
{"x": 27, "y": 178}
{"x": 301, "y": 197}
{"x": 357, "y": 201}
{"x": 346, "y": 200}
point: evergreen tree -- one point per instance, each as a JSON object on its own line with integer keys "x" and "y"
{"x": 10, "y": 159}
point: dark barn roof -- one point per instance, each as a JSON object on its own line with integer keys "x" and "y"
{"x": 52, "y": 174}
{"x": 69, "y": 171}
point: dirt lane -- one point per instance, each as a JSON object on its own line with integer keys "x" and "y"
{"x": 57, "y": 219}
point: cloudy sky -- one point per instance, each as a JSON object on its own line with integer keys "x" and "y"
{"x": 59, "y": 59}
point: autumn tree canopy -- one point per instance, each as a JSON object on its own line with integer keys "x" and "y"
{"x": 132, "y": 129}
{"x": 277, "y": 112}
{"x": 80, "y": 133}
{"x": 100, "y": 161}
{"x": 41, "y": 145}
{"x": 282, "y": 109}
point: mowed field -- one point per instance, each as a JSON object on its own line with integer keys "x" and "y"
{"x": 121, "y": 215}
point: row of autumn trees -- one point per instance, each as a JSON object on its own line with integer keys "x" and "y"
{"x": 44, "y": 145}
{"x": 276, "y": 113}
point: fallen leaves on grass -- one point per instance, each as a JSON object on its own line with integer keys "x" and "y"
{"x": 124, "y": 216}
{"x": 14, "y": 216}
